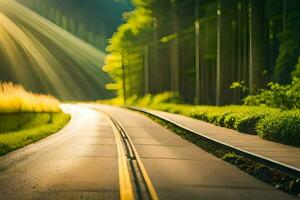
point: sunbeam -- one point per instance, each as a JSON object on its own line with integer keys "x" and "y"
{"x": 45, "y": 58}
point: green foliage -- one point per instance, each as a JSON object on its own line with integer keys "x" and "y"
{"x": 31, "y": 131}
{"x": 241, "y": 118}
{"x": 230, "y": 156}
{"x": 158, "y": 99}
{"x": 281, "y": 96}
{"x": 284, "y": 35}
{"x": 296, "y": 72}
{"x": 159, "y": 25}
{"x": 15, "y": 122}
{"x": 283, "y": 127}
{"x": 166, "y": 97}
{"x": 145, "y": 101}
{"x": 289, "y": 52}
{"x": 137, "y": 41}
{"x": 125, "y": 49}
{"x": 269, "y": 123}
{"x": 239, "y": 85}
{"x": 117, "y": 101}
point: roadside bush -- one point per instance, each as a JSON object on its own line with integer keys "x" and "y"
{"x": 145, "y": 101}
{"x": 280, "y": 96}
{"x": 241, "y": 118}
{"x": 247, "y": 121}
{"x": 166, "y": 97}
{"x": 269, "y": 123}
{"x": 283, "y": 127}
{"x": 162, "y": 98}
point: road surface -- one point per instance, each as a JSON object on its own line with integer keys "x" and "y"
{"x": 81, "y": 162}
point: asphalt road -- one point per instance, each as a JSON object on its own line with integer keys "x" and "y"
{"x": 181, "y": 170}
{"x": 81, "y": 162}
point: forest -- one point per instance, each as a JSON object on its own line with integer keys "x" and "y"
{"x": 150, "y": 99}
{"x": 213, "y": 52}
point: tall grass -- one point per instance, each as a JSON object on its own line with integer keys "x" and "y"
{"x": 26, "y": 117}
{"x": 14, "y": 99}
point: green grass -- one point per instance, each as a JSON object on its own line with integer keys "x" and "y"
{"x": 20, "y": 129}
{"x": 11, "y": 122}
{"x": 269, "y": 123}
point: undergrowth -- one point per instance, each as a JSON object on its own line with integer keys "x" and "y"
{"x": 38, "y": 126}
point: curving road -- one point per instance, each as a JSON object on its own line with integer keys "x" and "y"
{"x": 81, "y": 162}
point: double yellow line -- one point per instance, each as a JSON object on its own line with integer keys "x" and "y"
{"x": 126, "y": 188}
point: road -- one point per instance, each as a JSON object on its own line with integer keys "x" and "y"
{"x": 81, "y": 162}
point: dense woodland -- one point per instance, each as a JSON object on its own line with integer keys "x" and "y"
{"x": 203, "y": 48}
{"x": 93, "y": 22}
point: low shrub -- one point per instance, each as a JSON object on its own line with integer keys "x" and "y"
{"x": 158, "y": 99}
{"x": 247, "y": 121}
{"x": 279, "y": 96}
{"x": 145, "y": 101}
{"x": 283, "y": 127}
{"x": 241, "y": 118}
{"x": 166, "y": 97}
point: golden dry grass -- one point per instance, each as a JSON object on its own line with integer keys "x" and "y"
{"x": 14, "y": 98}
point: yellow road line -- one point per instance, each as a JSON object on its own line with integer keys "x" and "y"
{"x": 126, "y": 189}
{"x": 146, "y": 177}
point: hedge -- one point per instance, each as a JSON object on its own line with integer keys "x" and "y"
{"x": 283, "y": 127}
{"x": 241, "y": 118}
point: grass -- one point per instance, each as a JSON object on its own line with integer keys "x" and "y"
{"x": 10, "y": 122}
{"x": 26, "y": 117}
{"x": 31, "y": 128}
{"x": 14, "y": 98}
